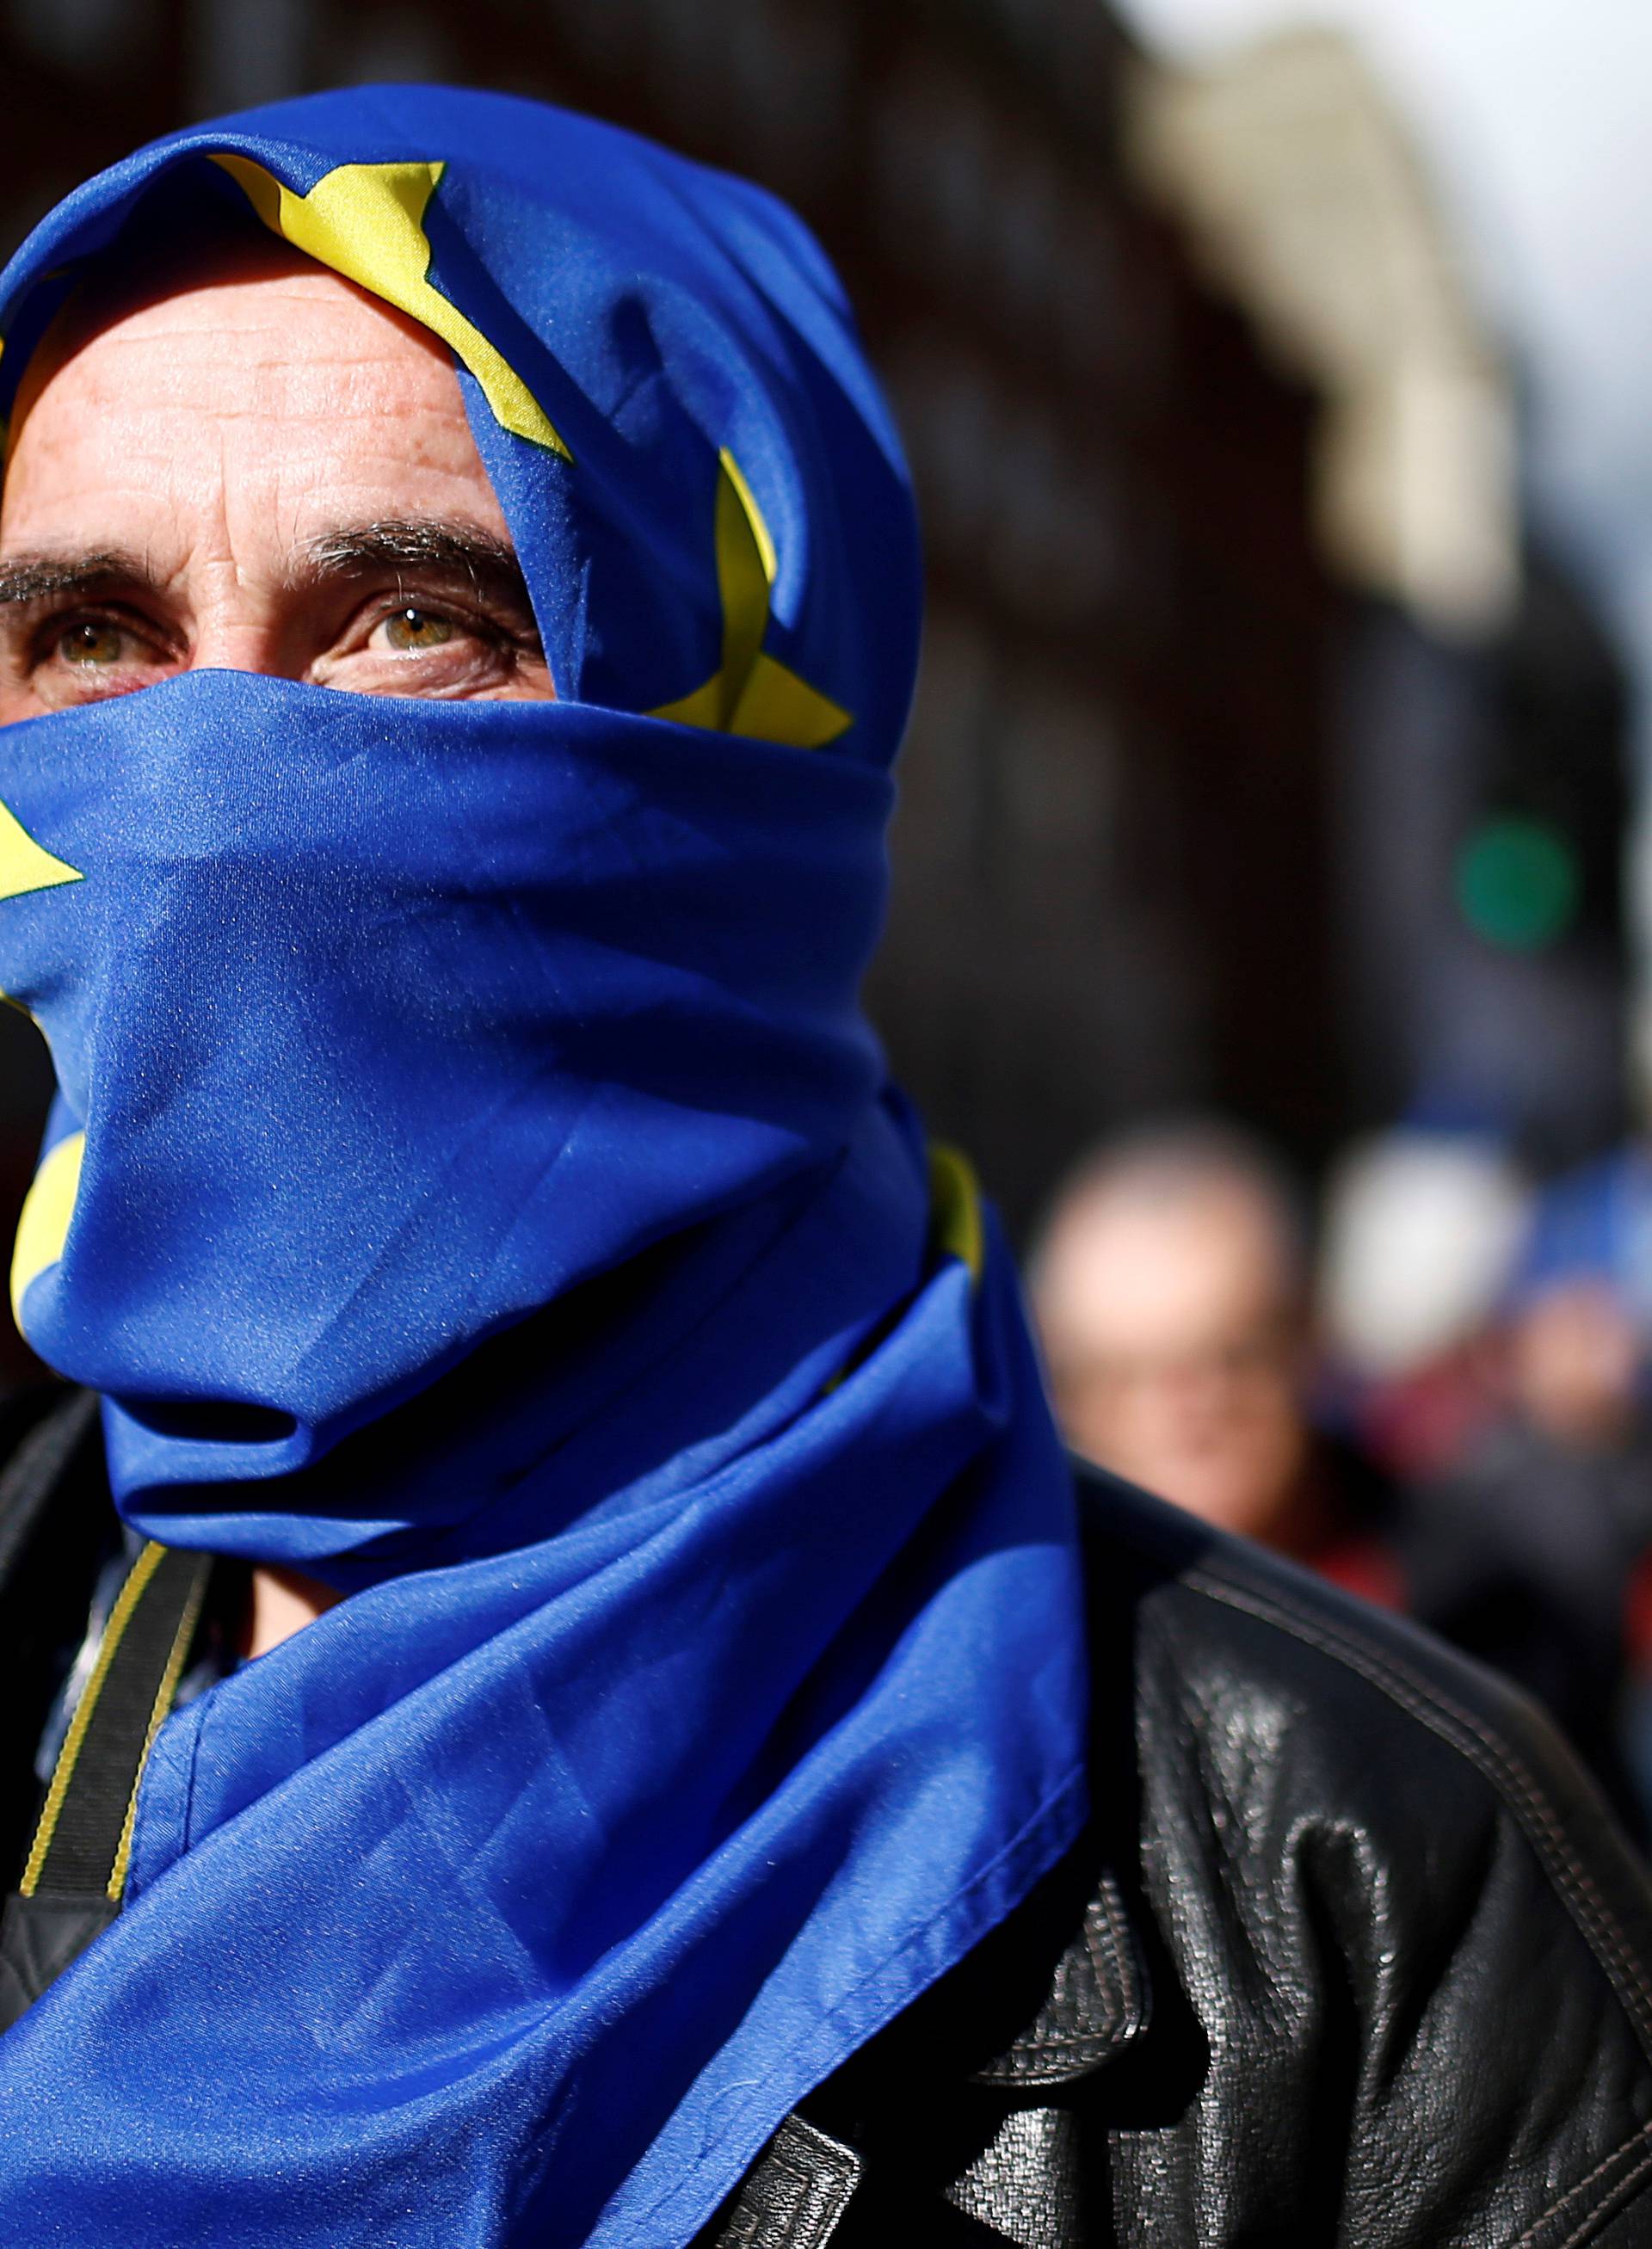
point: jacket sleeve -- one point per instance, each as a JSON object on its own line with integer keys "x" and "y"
{"x": 1442, "y": 1940}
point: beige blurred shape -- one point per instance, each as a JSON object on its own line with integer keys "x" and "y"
{"x": 1302, "y": 192}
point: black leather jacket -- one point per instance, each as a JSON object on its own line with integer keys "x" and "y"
{"x": 1350, "y": 1955}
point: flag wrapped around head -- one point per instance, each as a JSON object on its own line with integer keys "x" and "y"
{"x": 473, "y": 1181}
{"x": 662, "y": 377}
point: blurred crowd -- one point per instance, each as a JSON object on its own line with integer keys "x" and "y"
{"x": 1434, "y": 1388}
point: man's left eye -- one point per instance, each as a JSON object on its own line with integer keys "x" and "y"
{"x": 409, "y": 631}
{"x": 92, "y": 642}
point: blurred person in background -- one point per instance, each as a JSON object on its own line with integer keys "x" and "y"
{"x": 1487, "y": 1343}
{"x": 1172, "y": 1290}
{"x": 1584, "y": 1373}
{"x": 1482, "y": 1341}
{"x": 1171, "y": 1287}
{"x": 1530, "y": 1553}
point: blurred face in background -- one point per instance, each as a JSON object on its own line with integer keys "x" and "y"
{"x": 1574, "y": 1364}
{"x": 1172, "y": 1328}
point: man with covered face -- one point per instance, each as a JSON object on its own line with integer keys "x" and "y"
{"x": 562, "y": 1687}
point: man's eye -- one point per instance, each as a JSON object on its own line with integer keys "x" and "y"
{"x": 92, "y": 643}
{"x": 411, "y": 630}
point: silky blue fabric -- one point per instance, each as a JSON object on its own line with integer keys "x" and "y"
{"x": 493, "y": 1203}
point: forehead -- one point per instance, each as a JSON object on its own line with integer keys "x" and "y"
{"x": 248, "y": 366}
{"x": 1123, "y": 1265}
{"x": 244, "y": 301}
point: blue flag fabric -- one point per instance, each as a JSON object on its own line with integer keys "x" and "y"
{"x": 472, "y": 1182}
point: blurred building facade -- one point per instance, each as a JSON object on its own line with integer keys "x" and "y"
{"x": 1477, "y": 756}
{"x": 1110, "y": 882}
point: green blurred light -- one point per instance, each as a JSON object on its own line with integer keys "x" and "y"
{"x": 1516, "y": 884}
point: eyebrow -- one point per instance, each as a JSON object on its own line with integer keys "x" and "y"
{"x": 427, "y": 546}
{"x": 419, "y": 546}
{"x": 41, "y": 577}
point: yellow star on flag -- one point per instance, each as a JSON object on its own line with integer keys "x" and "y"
{"x": 751, "y": 692}
{"x": 26, "y": 865}
{"x": 42, "y": 1229}
{"x": 367, "y": 222}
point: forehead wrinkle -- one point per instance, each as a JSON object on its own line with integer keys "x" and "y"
{"x": 241, "y": 285}
{"x": 249, "y": 317}
{"x": 241, "y": 384}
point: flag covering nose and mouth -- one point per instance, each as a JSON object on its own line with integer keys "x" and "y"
{"x": 473, "y": 1181}
{"x": 367, "y": 222}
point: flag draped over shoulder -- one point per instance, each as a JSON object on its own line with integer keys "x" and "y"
{"x": 472, "y": 1182}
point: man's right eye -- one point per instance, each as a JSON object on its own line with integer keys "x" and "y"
{"x": 82, "y": 655}
{"x": 93, "y": 642}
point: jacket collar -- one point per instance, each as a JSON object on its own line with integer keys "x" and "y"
{"x": 1098, "y": 2004}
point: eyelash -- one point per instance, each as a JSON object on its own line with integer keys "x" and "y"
{"x": 490, "y": 630}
